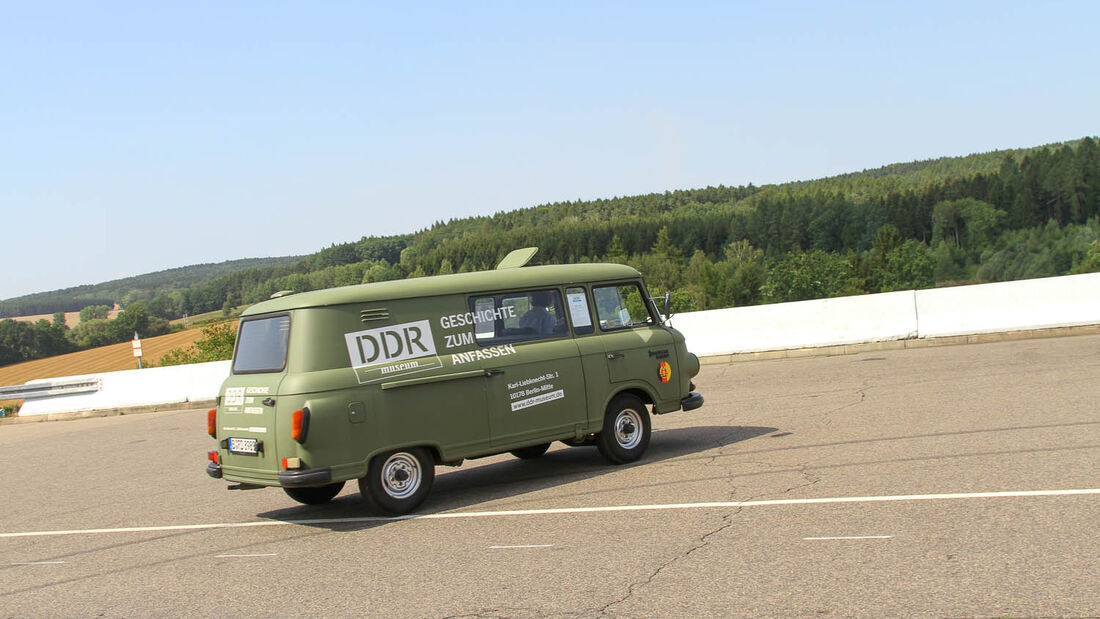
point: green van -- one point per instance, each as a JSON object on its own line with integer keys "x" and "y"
{"x": 381, "y": 382}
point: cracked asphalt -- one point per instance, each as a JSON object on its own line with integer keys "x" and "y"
{"x": 1003, "y": 417}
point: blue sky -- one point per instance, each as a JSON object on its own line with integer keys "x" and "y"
{"x": 144, "y": 136}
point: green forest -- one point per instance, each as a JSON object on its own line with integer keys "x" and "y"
{"x": 987, "y": 217}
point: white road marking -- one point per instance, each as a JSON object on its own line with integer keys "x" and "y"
{"x": 521, "y": 546}
{"x": 848, "y": 537}
{"x": 573, "y": 510}
{"x": 266, "y": 554}
{"x": 40, "y": 563}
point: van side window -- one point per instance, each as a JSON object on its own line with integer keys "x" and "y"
{"x": 518, "y": 316}
{"x": 621, "y": 307}
{"x": 577, "y": 300}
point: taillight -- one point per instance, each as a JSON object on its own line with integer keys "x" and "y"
{"x": 299, "y": 424}
{"x": 211, "y": 422}
{"x": 213, "y": 456}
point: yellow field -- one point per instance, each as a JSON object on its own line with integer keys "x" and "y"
{"x": 103, "y": 359}
{"x": 72, "y": 319}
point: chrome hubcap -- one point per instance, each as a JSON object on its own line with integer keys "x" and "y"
{"x": 401, "y": 475}
{"x": 628, "y": 429}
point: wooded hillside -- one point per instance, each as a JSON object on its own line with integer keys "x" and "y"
{"x": 987, "y": 217}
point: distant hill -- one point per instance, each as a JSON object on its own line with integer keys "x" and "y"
{"x": 997, "y": 216}
{"x": 138, "y": 287}
{"x": 1007, "y": 214}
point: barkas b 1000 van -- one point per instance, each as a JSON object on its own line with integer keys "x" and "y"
{"x": 382, "y": 382}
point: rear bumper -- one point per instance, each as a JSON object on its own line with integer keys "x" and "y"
{"x": 287, "y": 479}
{"x": 305, "y": 478}
{"x": 692, "y": 402}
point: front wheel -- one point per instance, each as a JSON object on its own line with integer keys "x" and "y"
{"x": 397, "y": 482}
{"x": 317, "y": 495}
{"x": 626, "y": 430}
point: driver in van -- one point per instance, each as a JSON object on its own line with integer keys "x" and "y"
{"x": 538, "y": 318}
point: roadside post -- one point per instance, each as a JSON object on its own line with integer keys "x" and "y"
{"x": 137, "y": 348}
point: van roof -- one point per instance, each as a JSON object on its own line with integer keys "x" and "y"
{"x": 458, "y": 283}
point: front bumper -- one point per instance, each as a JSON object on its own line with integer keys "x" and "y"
{"x": 692, "y": 401}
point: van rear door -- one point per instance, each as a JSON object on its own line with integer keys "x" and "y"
{"x": 246, "y": 411}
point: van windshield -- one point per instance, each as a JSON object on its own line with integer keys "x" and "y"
{"x": 261, "y": 345}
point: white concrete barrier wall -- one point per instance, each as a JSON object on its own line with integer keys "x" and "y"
{"x": 1071, "y": 300}
{"x": 987, "y": 308}
{"x": 132, "y": 388}
{"x": 1067, "y": 301}
{"x": 803, "y": 324}
{"x": 205, "y": 380}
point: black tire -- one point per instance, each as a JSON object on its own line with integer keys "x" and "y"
{"x": 398, "y": 481}
{"x": 317, "y": 495}
{"x": 626, "y": 430}
{"x": 527, "y": 453}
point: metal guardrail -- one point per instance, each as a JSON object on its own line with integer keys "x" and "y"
{"x": 48, "y": 389}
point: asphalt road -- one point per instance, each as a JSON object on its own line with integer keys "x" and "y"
{"x": 926, "y": 482}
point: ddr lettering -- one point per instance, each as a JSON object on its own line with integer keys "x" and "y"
{"x": 388, "y": 344}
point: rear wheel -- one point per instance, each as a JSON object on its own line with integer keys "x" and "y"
{"x": 626, "y": 429}
{"x": 317, "y": 495}
{"x": 397, "y": 482}
{"x": 527, "y": 453}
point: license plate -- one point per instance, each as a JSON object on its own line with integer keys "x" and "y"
{"x": 242, "y": 446}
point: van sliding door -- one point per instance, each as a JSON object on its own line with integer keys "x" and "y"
{"x": 535, "y": 387}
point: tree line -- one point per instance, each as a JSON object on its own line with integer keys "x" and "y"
{"x": 989, "y": 217}
{"x": 986, "y": 217}
{"x": 130, "y": 289}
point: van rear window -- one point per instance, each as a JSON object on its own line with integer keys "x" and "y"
{"x": 261, "y": 345}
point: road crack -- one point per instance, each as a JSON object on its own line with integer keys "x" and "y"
{"x": 728, "y": 520}
{"x": 809, "y": 478}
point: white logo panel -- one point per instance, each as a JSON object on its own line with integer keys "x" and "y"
{"x": 372, "y": 352}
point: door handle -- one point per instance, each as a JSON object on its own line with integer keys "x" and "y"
{"x": 615, "y": 355}
{"x": 494, "y": 372}
{"x": 660, "y": 354}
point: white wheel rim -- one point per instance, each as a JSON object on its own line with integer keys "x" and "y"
{"x": 628, "y": 428}
{"x": 401, "y": 475}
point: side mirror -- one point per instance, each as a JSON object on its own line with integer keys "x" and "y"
{"x": 668, "y": 305}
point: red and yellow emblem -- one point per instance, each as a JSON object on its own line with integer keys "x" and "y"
{"x": 665, "y": 370}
